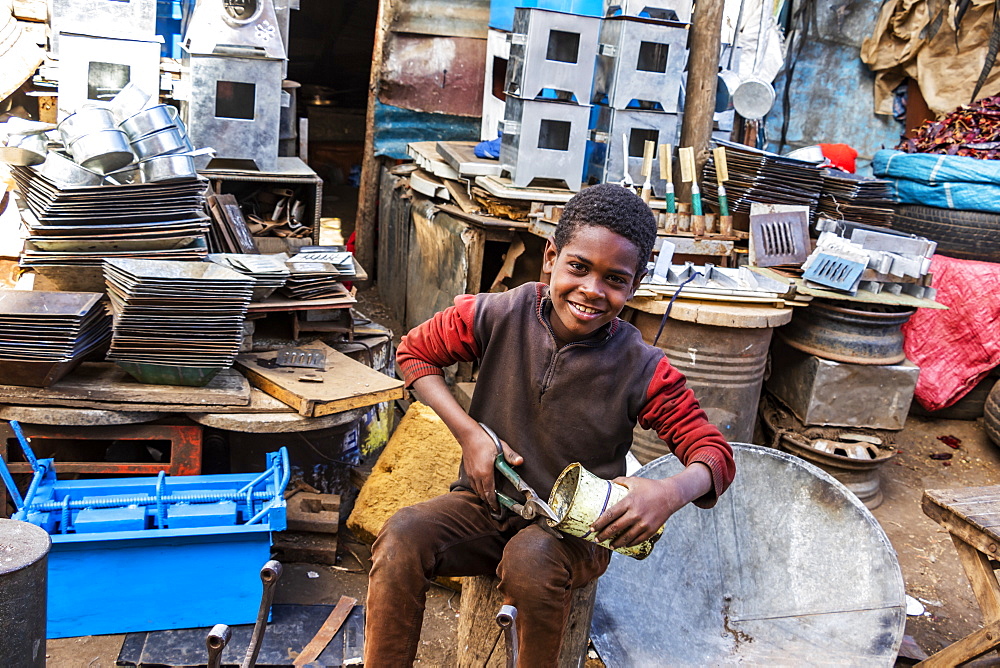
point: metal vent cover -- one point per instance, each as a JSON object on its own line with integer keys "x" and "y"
{"x": 835, "y": 272}
{"x": 779, "y": 238}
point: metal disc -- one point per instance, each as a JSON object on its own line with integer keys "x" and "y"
{"x": 789, "y": 568}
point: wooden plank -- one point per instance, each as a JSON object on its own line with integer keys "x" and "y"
{"x": 862, "y": 296}
{"x": 460, "y": 155}
{"x": 483, "y": 220}
{"x": 985, "y": 540}
{"x": 503, "y": 188}
{"x": 346, "y": 383}
{"x": 260, "y": 402}
{"x": 719, "y": 314}
{"x": 970, "y": 647}
{"x": 461, "y": 197}
{"x": 108, "y": 382}
{"x": 326, "y": 632}
{"x": 394, "y": 243}
{"x": 981, "y": 577}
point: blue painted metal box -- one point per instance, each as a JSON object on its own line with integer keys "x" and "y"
{"x": 144, "y": 554}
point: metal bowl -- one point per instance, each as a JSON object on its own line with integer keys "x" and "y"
{"x": 148, "y": 121}
{"x": 167, "y": 167}
{"x": 24, "y": 150}
{"x": 85, "y": 121}
{"x": 104, "y": 151}
{"x": 163, "y": 142}
{"x": 60, "y": 168}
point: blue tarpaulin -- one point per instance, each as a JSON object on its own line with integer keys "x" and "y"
{"x": 943, "y": 181}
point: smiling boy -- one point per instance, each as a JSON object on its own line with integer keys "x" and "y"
{"x": 561, "y": 380}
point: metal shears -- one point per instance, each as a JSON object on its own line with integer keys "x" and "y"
{"x": 533, "y": 506}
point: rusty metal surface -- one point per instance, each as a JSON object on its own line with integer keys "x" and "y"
{"x": 442, "y": 75}
{"x": 443, "y": 18}
{"x": 185, "y": 447}
{"x": 848, "y": 334}
{"x": 788, "y": 569}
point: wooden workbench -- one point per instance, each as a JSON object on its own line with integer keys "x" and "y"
{"x": 972, "y": 517}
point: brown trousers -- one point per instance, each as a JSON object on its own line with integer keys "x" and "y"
{"x": 454, "y": 535}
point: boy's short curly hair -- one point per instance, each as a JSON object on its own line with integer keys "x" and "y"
{"x": 613, "y": 207}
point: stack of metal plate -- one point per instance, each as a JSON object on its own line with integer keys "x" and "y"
{"x": 855, "y": 198}
{"x": 176, "y": 323}
{"x": 268, "y": 271}
{"x": 317, "y": 275}
{"x": 760, "y": 176}
{"x": 43, "y": 335}
{"x": 82, "y": 225}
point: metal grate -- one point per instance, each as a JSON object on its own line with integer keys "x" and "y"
{"x": 779, "y": 238}
{"x": 835, "y": 272}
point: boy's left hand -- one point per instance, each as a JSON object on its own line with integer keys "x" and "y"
{"x": 648, "y": 505}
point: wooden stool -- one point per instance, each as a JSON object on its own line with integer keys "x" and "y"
{"x": 972, "y": 517}
{"x": 480, "y": 641}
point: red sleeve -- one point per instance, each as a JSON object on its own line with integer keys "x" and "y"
{"x": 439, "y": 342}
{"x": 672, "y": 410}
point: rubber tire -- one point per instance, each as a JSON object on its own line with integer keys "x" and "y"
{"x": 991, "y": 415}
{"x": 969, "y": 407}
{"x": 967, "y": 235}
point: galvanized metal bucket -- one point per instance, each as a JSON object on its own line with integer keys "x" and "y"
{"x": 579, "y": 497}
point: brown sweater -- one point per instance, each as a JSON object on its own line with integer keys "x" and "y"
{"x": 555, "y": 406}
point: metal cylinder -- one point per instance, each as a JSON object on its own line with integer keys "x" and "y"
{"x": 24, "y": 551}
{"x": 724, "y": 366}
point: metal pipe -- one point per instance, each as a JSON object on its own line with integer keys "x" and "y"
{"x": 269, "y": 576}
{"x": 28, "y": 453}
{"x": 216, "y": 641}
{"x": 8, "y": 481}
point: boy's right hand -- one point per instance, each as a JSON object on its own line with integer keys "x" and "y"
{"x": 478, "y": 455}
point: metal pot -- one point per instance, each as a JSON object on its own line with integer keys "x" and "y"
{"x": 148, "y": 121}
{"x": 60, "y": 168}
{"x": 129, "y": 174}
{"x": 85, "y": 121}
{"x": 167, "y": 167}
{"x": 163, "y": 142}
{"x": 103, "y": 151}
{"x": 24, "y": 149}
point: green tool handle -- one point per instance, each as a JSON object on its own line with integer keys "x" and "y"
{"x": 669, "y": 196}
{"x": 507, "y": 502}
{"x": 723, "y": 201}
{"x": 695, "y": 199}
{"x": 508, "y": 471}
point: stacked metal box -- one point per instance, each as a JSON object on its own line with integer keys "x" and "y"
{"x": 231, "y": 69}
{"x": 637, "y": 87}
{"x": 548, "y": 88}
{"x": 102, "y": 46}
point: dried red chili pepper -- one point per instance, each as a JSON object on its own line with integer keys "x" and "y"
{"x": 951, "y": 441}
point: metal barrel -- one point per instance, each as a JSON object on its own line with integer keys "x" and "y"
{"x": 24, "y": 551}
{"x": 723, "y": 365}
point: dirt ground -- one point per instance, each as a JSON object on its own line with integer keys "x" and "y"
{"x": 930, "y": 567}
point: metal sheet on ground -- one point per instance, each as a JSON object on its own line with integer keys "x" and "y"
{"x": 789, "y": 568}
{"x": 291, "y": 628}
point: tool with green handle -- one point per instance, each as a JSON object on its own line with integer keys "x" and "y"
{"x": 533, "y": 507}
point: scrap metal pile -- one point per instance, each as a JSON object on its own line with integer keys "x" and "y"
{"x": 972, "y": 130}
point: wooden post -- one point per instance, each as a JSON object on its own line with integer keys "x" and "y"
{"x": 703, "y": 73}
{"x": 364, "y": 223}
{"x": 480, "y": 640}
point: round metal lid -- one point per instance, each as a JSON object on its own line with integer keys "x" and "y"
{"x": 21, "y": 545}
{"x": 789, "y": 568}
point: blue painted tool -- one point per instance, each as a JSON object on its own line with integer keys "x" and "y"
{"x": 152, "y": 553}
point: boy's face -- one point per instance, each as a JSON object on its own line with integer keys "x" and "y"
{"x": 591, "y": 279}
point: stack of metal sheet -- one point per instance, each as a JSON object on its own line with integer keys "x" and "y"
{"x": 82, "y": 225}
{"x": 43, "y": 335}
{"x": 268, "y": 271}
{"x": 855, "y": 198}
{"x": 317, "y": 275}
{"x": 760, "y": 176}
{"x": 176, "y": 322}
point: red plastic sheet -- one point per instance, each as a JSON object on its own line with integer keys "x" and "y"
{"x": 956, "y": 348}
